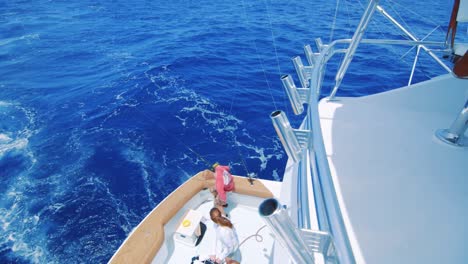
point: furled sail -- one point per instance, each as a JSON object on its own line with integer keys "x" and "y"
{"x": 463, "y": 11}
{"x": 459, "y": 15}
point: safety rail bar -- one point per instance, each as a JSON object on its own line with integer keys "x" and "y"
{"x": 290, "y": 237}
{"x": 330, "y": 219}
{"x": 311, "y": 158}
{"x": 327, "y": 207}
{"x": 411, "y": 36}
{"x": 295, "y": 141}
{"x": 421, "y": 44}
{"x": 358, "y": 34}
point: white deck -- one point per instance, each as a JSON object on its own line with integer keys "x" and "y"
{"x": 246, "y": 220}
{"x": 243, "y": 212}
{"x": 405, "y": 193}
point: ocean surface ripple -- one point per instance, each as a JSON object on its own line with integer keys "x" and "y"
{"x": 106, "y": 107}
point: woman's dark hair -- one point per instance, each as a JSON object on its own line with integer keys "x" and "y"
{"x": 215, "y": 215}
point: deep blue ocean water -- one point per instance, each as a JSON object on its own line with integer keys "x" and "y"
{"x": 105, "y": 108}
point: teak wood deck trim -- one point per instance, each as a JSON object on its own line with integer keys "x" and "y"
{"x": 147, "y": 238}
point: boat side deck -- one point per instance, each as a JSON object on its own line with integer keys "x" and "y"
{"x": 243, "y": 212}
{"x": 152, "y": 239}
{"x": 405, "y": 192}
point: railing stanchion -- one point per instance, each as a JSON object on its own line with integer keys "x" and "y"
{"x": 358, "y": 34}
{"x": 455, "y": 135}
{"x": 414, "y": 65}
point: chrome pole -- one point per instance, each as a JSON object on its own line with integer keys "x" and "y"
{"x": 358, "y": 34}
{"x": 411, "y": 36}
{"x": 286, "y": 135}
{"x": 292, "y": 93}
{"x": 309, "y": 54}
{"x": 456, "y": 132}
{"x": 278, "y": 220}
{"x": 300, "y": 71}
{"x": 414, "y": 66}
{"x": 331, "y": 218}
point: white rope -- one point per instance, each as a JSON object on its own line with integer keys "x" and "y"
{"x": 258, "y": 237}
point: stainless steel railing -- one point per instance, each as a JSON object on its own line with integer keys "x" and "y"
{"x": 357, "y": 37}
{"x": 311, "y": 156}
{"x": 358, "y": 34}
{"x": 286, "y": 232}
{"x": 328, "y": 210}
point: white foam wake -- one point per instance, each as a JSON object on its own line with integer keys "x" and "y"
{"x": 201, "y": 114}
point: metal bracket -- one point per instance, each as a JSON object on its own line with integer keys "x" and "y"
{"x": 455, "y": 135}
{"x": 310, "y": 55}
{"x": 308, "y": 72}
{"x": 297, "y": 96}
{"x": 320, "y": 45}
{"x": 320, "y": 242}
{"x": 301, "y": 73}
{"x": 304, "y": 137}
{"x": 251, "y": 177}
{"x": 303, "y": 94}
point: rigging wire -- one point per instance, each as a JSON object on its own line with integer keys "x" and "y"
{"x": 414, "y": 13}
{"x": 280, "y": 72}
{"x": 171, "y": 136}
{"x": 230, "y": 112}
{"x": 390, "y": 47}
{"x": 272, "y": 37}
{"x": 236, "y": 84}
{"x": 408, "y": 28}
{"x": 199, "y": 156}
{"x": 334, "y": 21}
{"x": 412, "y": 48}
{"x": 260, "y": 60}
{"x": 348, "y": 34}
{"x": 404, "y": 22}
{"x": 242, "y": 160}
{"x": 245, "y": 17}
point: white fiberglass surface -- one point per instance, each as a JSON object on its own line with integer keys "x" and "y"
{"x": 404, "y": 193}
{"x": 243, "y": 212}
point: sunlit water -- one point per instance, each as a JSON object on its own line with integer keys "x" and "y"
{"x": 105, "y": 108}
